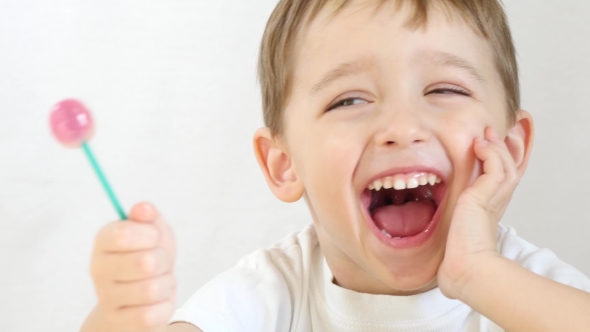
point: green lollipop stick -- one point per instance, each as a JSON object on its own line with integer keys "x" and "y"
{"x": 103, "y": 180}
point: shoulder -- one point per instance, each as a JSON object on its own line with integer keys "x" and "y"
{"x": 542, "y": 261}
{"x": 291, "y": 253}
{"x": 257, "y": 294}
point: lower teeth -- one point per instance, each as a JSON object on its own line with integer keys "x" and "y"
{"x": 385, "y": 233}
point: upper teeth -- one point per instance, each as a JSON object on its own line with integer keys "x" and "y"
{"x": 400, "y": 182}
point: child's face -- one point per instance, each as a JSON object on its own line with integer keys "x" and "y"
{"x": 416, "y": 99}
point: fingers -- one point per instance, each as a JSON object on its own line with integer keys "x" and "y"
{"x": 147, "y": 214}
{"x": 141, "y": 293}
{"x": 132, "y": 269}
{"x": 131, "y": 266}
{"x": 500, "y": 147}
{"x": 495, "y": 186}
{"x": 153, "y": 317}
{"x": 126, "y": 236}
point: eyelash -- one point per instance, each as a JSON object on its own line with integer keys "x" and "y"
{"x": 339, "y": 103}
{"x": 451, "y": 89}
{"x": 454, "y": 90}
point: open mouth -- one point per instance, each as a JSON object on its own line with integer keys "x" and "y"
{"x": 403, "y": 206}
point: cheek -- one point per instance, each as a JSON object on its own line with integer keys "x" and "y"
{"x": 458, "y": 136}
{"x": 331, "y": 163}
{"x": 327, "y": 168}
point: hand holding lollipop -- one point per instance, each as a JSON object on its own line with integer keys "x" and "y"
{"x": 128, "y": 258}
{"x": 71, "y": 124}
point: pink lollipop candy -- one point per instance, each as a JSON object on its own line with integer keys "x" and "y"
{"x": 71, "y": 123}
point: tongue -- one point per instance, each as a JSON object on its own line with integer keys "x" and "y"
{"x": 404, "y": 220}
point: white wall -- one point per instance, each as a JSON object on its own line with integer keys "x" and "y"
{"x": 172, "y": 86}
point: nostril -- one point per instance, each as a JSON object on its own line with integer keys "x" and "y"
{"x": 390, "y": 143}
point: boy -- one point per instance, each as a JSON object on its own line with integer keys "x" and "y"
{"x": 400, "y": 124}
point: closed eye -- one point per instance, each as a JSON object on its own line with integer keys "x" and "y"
{"x": 347, "y": 102}
{"x": 449, "y": 90}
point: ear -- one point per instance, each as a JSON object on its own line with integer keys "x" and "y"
{"x": 519, "y": 140}
{"x": 277, "y": 167}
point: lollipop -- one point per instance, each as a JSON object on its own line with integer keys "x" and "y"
{"x": 71, "y": 124}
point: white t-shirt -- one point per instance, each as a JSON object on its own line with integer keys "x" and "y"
{"x": 288, "y": 287}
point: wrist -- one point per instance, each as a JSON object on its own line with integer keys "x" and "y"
{"x": 483, "y": 271}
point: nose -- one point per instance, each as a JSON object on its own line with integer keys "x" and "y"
{"x": 401, "y": 128}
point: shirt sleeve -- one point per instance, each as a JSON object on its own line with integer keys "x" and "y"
{"x": 248, "y": 297}
{"x": 541, "y": 261}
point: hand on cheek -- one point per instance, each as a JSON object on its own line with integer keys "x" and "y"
{"x": 472, "y": 233}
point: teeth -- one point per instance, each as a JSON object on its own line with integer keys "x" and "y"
{"x": 385, "y": 233}
{"x": 378, "y": 185}
{"x": 397, "y": 238}
{"x": 388, "y": 183}
{"x": 399, "y": 183}
{"x": 432, "y": 179}
{"x": 422, "y": 180}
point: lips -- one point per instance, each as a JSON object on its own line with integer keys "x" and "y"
{"x": 403, "y": 209}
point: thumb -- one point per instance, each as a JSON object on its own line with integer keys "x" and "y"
{"x": 146, "y": 212}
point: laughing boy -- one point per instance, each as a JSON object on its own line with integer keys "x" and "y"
{"x": 399, "y": 123}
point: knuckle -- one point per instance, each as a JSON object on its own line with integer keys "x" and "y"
{"x": 173, "y": 285}
{"x": 147, "y": 263}
{"x": 97, "y": 269}
{"x": 168, "y": 287}
{"x": 147, "y": 318}
{"x": 499, "y": 178}
{"x": 152, "y": 291}
{"x": 120, "y": 234}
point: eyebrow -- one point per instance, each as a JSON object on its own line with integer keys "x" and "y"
{"x": 349, "y": 68}
{"x": 450, "y": 60}
{"x": 342, "y": 70}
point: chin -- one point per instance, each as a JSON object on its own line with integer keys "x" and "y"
{"x": 410, "y": 280}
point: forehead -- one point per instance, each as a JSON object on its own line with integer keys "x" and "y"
{"x": 364, "y": 33}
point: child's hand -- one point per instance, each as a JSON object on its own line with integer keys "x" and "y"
{"x": 132, "y": 269}
{"x": 472, "y": 234}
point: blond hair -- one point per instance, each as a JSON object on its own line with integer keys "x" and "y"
{"x": 276, "y": 59}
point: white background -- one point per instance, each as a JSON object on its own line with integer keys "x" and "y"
{"x": 172, "y": 86}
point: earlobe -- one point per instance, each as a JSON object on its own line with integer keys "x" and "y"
{"x": 277, "y": 167}
{"x": 519, "y": 140}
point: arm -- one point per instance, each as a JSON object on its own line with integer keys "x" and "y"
{"x": 520, "y": 300}
{"x": 472, "y": 269}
